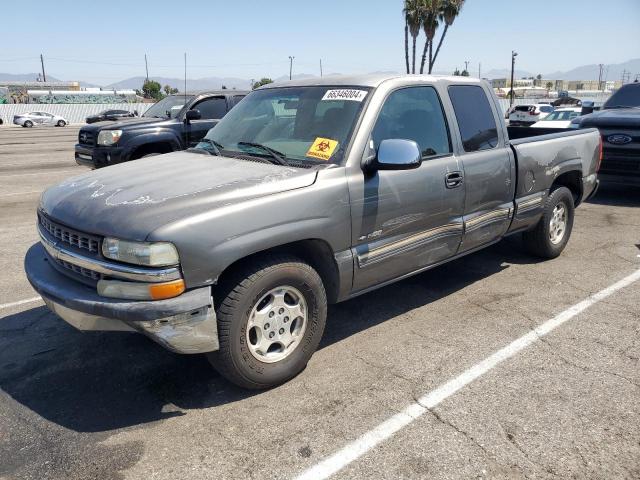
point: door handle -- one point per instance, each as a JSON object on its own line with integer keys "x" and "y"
{"x": 453, "y": 179}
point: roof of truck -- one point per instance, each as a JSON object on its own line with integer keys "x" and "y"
{"x": 369, "y": 80}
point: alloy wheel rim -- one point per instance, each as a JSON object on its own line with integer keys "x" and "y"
{"x": 276, "y": 324}
{"x": 558, "y": 224}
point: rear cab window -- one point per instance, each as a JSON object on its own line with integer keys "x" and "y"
{"x": 475, "y": 118}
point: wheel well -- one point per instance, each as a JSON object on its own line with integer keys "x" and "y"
{"x": 159, "y": 147}
{"x": 315, "y": 252}
{"x": 573, "y": 181}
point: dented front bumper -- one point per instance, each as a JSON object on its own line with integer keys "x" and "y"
{"x": 184, "y": 324}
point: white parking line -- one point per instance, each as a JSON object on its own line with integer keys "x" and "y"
{"x": 20, "y": 193}
{"x": 20, "y": 302}
{"x": 389, "y": 427}
{"x": 40, "y": 173}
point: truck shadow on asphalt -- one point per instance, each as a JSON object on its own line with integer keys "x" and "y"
{"x": 617, "y": 195}
{"x": 96, "y": 382}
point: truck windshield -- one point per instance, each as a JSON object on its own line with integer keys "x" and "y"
{"x": 627, "y": 96}
{"x": 308, "y": 124}
{"x": 168, "y": 107}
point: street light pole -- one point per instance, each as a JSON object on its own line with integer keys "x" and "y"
{"x": 514, "y": 54}
{"x": 290, "y": 66}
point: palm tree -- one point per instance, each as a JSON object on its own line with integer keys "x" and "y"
{"x": 412, "y": 14}
{"x": 431, "y": 10}
{"x": 449, "y": 10}
{"x": 406, "y": 42}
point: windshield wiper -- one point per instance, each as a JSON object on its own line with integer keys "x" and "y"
{"x": 621, "y": 106}
{"x": 278, "y": 157}
{"x": 215, "y": 150}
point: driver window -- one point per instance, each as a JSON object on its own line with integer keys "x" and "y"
{"x": 414, "y": 113}
{"x": 212, "y": 108}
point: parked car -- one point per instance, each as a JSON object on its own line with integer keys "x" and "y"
{"x": 525, "y": 115}
{"x": 304, "y": 194}
{"x": 619, "y": 123}
{"x": 1, "y": 121}
{"x": 39, "y": 118}
{"x": 111, "y": 115}
{"x": 559, "y": 118}
{"x": 174, "y": 123}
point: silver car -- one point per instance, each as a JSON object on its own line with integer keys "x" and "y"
{"x": 39, "y": 118}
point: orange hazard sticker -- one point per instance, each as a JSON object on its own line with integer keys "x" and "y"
{"x": 322, "y": 148}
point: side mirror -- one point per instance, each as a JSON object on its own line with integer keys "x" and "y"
{"x": 587, "y": 107}
{"x": 396, "y": 154}
{"x": 193, "y": 115}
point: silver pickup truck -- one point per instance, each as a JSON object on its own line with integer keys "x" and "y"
{"x": 307, "y": 193}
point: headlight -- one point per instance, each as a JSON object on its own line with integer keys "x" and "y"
{"x": 157, "y": 254}
{"x": 109, "y": 137}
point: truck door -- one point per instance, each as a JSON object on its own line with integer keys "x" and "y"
{"x": 488, "y": 166}
{"x": 211, "y": 110}
{"x": 406, "y": 220}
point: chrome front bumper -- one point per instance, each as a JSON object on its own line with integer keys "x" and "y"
{"x": 184, "y": 324}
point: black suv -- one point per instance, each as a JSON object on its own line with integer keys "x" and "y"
{"x": 619, "y": 125}
{"x": 174, "y": 123}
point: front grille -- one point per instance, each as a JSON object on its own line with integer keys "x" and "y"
{"x": 85, "y": 272}
{"x": 69, "y": 236}
{"x": 86, "y": 138}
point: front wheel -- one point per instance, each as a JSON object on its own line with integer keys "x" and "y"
{"x": 271, "y": 317}
{"x": 551, "y": 234}
{"x": 61, "y": 123}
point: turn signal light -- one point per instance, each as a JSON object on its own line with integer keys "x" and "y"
{"x": 160, "y": 291}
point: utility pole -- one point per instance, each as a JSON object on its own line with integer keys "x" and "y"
{"x": 514, "y": 54}
{"x": 253, "y": 82}
{"x": 601, "y": 65}
{"x": 290, "y": 66}
{"x": 146, "y": 66}
{"x": 466, "y": 66}
{"x": 320, "y": 68}
{"x": 44, "y": 75}
{"x": 479, "y": 70}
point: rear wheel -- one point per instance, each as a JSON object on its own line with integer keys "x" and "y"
{"x": 551, "y": 234}
{"x": 28, "y": 124}
{"x": 271, "y": 316}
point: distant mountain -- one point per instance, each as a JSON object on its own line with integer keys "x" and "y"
{"x": 24, "y": 77}
{"x": 208, "y": 83}
{"x": 591, "y": 72}
{"x": 504, "y": 73}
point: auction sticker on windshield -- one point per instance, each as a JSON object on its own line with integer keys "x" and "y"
{"x": 345, "y": 94}
{"x": 322, "y": 148}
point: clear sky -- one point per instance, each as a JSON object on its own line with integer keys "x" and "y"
{"x": 103, "y": 42}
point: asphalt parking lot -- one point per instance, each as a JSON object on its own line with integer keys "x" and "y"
{"x": 117, "y": 406}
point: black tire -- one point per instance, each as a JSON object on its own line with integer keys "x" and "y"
{"x": 234, "y": 360}
{"x": 538, "y": 241}
{"x": 61, "y": 123}
{"x": 28, "y": 124}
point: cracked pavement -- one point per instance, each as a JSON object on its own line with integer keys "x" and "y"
{"x": 117, "y": 406}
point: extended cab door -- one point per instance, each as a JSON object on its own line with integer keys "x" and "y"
{"x": 488, "y": 165}
{"x": 406, "y": 220}
{"x": 211, "y": 110}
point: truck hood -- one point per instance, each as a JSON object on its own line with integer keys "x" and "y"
{"x": 615, "y": 117}
{"x": 133, "y": 199}
{"x": 129, "y": 123}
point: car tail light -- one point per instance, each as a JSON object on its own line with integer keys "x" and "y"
{"x": 600, "y": 154}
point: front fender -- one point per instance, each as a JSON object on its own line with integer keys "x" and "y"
{"x": 210, "y": 242}
{"x": 161, "y": 136}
